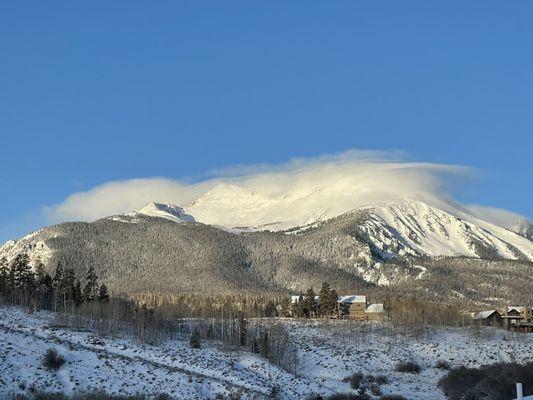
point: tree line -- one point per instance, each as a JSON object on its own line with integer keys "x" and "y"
{"x": 307, "y": 305}
{"x": 20, "y": 284}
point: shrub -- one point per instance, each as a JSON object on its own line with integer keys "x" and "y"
{"x": 382, "y": 380}
{"x": 442, "y": 364}
{"x": 408, "y": 366}
{"x": 496, "y": 381}
{"x": 52, "y": 360}
{"x": 392, "y": 397}
{"x": 348, "y": 396}
{"x": 375, "y": 389}
{"x": 354, "y": 379}
{"x": 194, "y": 341}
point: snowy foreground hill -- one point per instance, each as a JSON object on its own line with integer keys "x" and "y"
{"x": 326, "y": 356}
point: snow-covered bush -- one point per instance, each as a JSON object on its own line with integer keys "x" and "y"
{"x": 52, "y": 360}
{"x": 194, "y": 341}
{"x": 408, "y": 366}
{"x": 354, "y": 379}
{"x": 382, "y": 380}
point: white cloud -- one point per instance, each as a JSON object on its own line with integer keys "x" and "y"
{"x": 499, "y": 216}
{"x": 116, "y": 197}
{"x": 344, "y": 181}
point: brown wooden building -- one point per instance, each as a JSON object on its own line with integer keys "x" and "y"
{"x": 375, "y": 312}
{"x": 488, "y": 318}
{"x": 352, "y": 307}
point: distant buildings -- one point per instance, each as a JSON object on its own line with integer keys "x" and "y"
{"x": 354, "y": 307}
{"x": 516, "y": 318}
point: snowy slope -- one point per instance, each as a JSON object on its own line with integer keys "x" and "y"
{"x": 328, "y": 351}
{"x": 415, "y": 228}
{"x": 401, "y": 227}
{"x": 167, "y": 211}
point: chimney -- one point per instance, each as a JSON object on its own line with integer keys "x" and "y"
{"x": 519, "y": 392}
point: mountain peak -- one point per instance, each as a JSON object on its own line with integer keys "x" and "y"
{"x": 167, "y": 211}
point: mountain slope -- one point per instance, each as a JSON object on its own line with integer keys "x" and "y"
{"x": 396, "y": 247}
{"x": 415, "y": 228}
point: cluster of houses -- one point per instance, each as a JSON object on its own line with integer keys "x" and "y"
{"x": 354, "y": 307}
{"x": 515, "y": 318}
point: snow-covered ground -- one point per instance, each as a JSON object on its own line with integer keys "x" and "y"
{"x": 328, "y": 352}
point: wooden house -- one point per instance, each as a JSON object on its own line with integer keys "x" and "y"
{"x": 352, "y": 307}
{"x": 375, "y": 312}
{"x": 488, "y": 318}
{"x": 518, "y": 318}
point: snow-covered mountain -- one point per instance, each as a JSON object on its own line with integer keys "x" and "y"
{"x": 396, "y": 228}
{"x": 403, "y": 227}
{"x": 416, "y": 228}
{"x": 398, "y": 244}
{"x": 167, "y": 211}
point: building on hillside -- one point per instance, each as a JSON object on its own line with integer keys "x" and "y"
{"x": 375, "y": 312}
{"x": 518, "y": 318}
{"x": 488, "y": 318}
{"x": 352, "y": 307}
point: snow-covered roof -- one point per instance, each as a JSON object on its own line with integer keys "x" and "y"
{"x": 517, "y": 308}
{"x": 352, "y": 299}
{"x": 484, "y": 314}
{"x": 375, "y": 308}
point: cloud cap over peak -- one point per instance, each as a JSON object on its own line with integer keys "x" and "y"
{"x": 336, "y": 182}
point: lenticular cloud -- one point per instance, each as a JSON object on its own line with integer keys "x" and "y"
{"x": 329, "y": 183}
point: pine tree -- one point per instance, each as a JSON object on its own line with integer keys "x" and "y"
{"x": 58, "y": 277}
{"x": 334, "y": 298}
{"x": 309, "y": 303}
{"x": 77, "y": 296}
{"x": 243, "y": 330}
{"x": 56, "y": 286}
{"x": 4, "y": 278}
{"x": 264, "y": 345}
{"x": 90, "y": 291}
{"x": 298, "y": 307}
{"x": 22, "y": 277}
{"x": 103, "y": 294}
{"x": 328, "y": 300}
{"x": 66, "y": 287}
{"x": 44, "y": 286}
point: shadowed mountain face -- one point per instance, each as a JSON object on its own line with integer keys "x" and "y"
{"x": 388, "y": 249}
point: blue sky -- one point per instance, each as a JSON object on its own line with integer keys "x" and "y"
{"x": 97, "y": 91}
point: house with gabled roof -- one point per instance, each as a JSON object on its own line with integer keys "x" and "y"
{"x": 352, "y": 307}
{"x": 488, "y": 318}
{"x": 375, "y": 312}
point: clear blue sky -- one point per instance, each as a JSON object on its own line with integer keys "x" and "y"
{"x": 104, "y": 90}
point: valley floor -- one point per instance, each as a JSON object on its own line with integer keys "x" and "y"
{"x": 328, "y": 351}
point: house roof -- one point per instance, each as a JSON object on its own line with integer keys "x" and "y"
{"x": 352, "y": 298}
{"x": 375, "y": 308}
{"x": 484, "y": 314}
{"x": 517, "y": 308}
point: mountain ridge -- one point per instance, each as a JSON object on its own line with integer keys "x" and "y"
{"x": 403, "y": 246}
